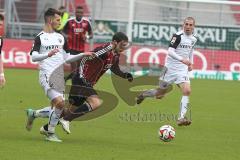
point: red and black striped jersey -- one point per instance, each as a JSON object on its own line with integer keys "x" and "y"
{"x": 76, "y": 33}
{"x": 105, "y": 58}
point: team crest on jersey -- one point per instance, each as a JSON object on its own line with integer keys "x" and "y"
{"x": 173, "y": 40}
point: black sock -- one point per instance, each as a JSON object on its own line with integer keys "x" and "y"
{"x": 84, "y": 108}
{"x": 81, "y": 110}
{"x": 45, "y": 127}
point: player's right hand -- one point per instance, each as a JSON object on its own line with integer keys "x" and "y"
{"x": 53, "y": 52}
{"x": 186, "y": 61}
{"x": 129, "y": 77}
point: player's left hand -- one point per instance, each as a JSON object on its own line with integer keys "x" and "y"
{"x": 129, "y": 77}
{"x": 190, "y": 67}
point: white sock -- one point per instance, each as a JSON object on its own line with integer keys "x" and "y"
{"x": 43, "y": 113}
{"x": 53, "y": 119}
{"x": 150, "y": 93}
{"x": 183, "y": 106}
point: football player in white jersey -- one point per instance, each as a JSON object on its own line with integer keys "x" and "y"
{"x": 178, "y": 63}
{"x": 2, "y": 77}
{"x": 50, "y": 50}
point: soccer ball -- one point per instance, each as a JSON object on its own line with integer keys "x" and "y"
{"x": 166, "y": 133}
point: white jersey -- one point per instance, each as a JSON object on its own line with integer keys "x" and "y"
{"x": 183, "y": 45}
{"x": 51, "y": 74}
{"x": 43, "y": 44}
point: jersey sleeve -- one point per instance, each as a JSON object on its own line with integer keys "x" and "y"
{"x": 102, "y": 50}
{"x": 36, "y": 45}
{"x": 116, "y": 69}
{"x": 175, "y": 41}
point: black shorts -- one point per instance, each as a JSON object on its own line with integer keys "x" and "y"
{"x": 80, "y": 91}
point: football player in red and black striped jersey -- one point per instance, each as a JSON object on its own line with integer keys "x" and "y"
{"x": 77, "y": 30}
{"x": 82, "y": 95}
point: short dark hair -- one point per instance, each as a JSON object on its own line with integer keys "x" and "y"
{"x": 50, "y": 13}
{"x": 1, "y": 17}
{"x": 119, "y": 36}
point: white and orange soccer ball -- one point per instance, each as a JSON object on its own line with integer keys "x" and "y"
{"x": 166, "y": 133}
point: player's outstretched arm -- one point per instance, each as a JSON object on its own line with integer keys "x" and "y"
{"x": 116, "y": 70}
{"x": 39, "y": 57}
{"x": 74, "y": 58}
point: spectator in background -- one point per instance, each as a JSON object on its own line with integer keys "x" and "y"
{"x": 2, "y": 77}
{"x": 64, "y": 17}
{"x": 77, "y": 30}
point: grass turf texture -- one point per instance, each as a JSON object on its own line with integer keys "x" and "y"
{"x": 214, "y": 133}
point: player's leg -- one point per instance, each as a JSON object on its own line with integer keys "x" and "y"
{"x": 91, "y": 104}
{"x": 158, "y": 93}
{"x": 165, "y": 86}
{"x": 58, "y": 104}
{"x": 32, "y": 114}
{"x": 83, "y": 97}
{"x": 44, "y": 112}
{"x": 184, "y": 104}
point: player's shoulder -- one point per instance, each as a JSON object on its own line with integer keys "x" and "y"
{"x": 102, "y": 49}
{"x": 179, "y": 33}
{"x": 59, "y": 35}
{"x": 107, "y": 46}
{"x": 40, "y": 34}
{"x": 86, "y": 19}
{"x": 71, "y": 19}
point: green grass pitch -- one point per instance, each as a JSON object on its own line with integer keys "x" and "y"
{"x": 214, "y": 133}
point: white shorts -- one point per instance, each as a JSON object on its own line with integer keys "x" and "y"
{"x": 176, "y": 77}
{"x": 50, "y": 92}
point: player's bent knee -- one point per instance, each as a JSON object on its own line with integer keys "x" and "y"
{"x": 58, "y": 102}
{"x": 95, "y": 102}
{"x": 187, "y": 92}
{"x": 164, "y": 85}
